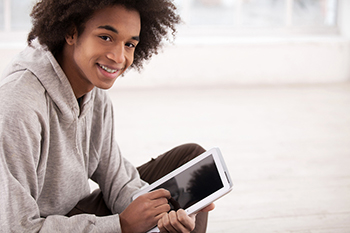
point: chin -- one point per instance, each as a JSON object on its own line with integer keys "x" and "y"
{"x": 105, "y": 86}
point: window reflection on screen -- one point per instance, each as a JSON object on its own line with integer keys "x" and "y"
{"x": 193, "y": 184}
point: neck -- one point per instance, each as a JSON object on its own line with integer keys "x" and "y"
{"x": 66, "y": 61}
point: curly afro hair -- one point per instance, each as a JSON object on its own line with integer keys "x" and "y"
{"x": 54, "y": 19}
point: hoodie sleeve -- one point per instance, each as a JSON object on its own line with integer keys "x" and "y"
{"x": 117, "y": 177}
{"x": 23, "y": 139}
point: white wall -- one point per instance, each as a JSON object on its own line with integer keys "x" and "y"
{"x": 240, "y": 60}
{"x": 344, "y": 18}
{"x": 10, "y": 46}
{"x": 252, "y": 60}
{"x": 259, "y": 61}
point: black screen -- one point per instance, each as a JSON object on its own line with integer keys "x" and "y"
{"x": 193, "y": 184}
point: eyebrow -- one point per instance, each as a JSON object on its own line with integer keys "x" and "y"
{"x": 112, "y": 29}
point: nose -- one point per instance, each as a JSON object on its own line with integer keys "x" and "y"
{"x": 117, "y": 54}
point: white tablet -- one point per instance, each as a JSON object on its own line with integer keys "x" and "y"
{"x": 195, "y": 184}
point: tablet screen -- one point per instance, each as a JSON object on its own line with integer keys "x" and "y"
{"x": 193, "y": 184}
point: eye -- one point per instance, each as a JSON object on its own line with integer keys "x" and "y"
{"x": 130, "y": 45}
{"x": 105, "y": 38}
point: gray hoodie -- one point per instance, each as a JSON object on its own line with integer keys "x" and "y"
{"x": 49, "y": 147}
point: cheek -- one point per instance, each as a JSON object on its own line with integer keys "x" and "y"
{"x": 81, "y": 56}
{"x": 86, "y": 50}
{"x": 84, "y": 62}
{"x": 130, "y": 59}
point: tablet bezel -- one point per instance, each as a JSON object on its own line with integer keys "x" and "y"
{"x": 223, "y": 173}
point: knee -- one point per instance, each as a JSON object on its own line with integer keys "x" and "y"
{"x": 194, "y": 149}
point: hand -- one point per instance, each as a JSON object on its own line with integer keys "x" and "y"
{"x": 208, "y": 208}
{"x": 145, "y": 211}
{"x": 179, "y": 221}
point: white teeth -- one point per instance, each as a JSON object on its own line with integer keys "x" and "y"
{"x": 108, "y": 70}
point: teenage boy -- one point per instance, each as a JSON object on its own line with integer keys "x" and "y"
{"x": 57, "y": 126}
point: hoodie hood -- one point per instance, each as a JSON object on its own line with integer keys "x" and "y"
{"x": 39, "y": 61}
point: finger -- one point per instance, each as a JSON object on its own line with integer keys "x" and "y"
{"x": 160, "y": 225}
{"x": 159, "y": 218}
{"x": 183, "y": 222}
{"x": 159, "y": 193}
{"x": 159, "y": 202}
{"x": 152, "y": 207}
{"x": 163, "y": 209}
{"x": 208, "y": 208}
{"x": 164, "y": 224}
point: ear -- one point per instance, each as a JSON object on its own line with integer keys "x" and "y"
{"x": 72, "y": 36}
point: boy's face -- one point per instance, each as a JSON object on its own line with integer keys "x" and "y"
{"x": 103, "y": 51}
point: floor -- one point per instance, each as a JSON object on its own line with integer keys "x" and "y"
{"x": 287, "y": 149}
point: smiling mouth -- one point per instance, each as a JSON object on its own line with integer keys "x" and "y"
{"x": 111, "y": 71}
